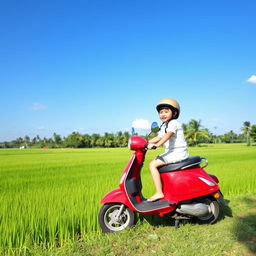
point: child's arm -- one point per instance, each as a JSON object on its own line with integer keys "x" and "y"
{"x": 154, "y": 140}
{"x": 161, "y": 141}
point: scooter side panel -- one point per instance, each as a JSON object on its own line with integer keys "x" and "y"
{"x": 115, "y": 196}
{"x": 186, "y": 184}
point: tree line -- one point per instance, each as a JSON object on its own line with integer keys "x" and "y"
{"x": 194, "y": 132}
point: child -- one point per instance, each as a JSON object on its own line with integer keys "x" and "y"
{"x": 172, "y": 137}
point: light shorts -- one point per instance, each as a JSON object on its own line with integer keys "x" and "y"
{"x": 170, "y": 157}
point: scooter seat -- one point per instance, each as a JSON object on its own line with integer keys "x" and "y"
{"x": 191, "y": 161}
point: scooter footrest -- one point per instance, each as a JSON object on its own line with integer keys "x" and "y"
{"x": 147, "y": 206}
{"x": 171, "y": 203}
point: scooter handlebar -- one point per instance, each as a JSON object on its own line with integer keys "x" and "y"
{"x": 146, "y": 147}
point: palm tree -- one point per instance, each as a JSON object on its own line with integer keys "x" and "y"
{"x": 57, "y": 139}
{"x": 253, "y": 132}
{"x": 185, "y": 129}
{"x": 246, "y": 130}
{"x": 26, "y": 140}
{"x": 195, "y": 132}
{"x": 108, "y": 139}
{"x": 94, "y": 138}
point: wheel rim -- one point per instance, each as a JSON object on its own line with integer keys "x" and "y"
{"x": 115, "y": 223}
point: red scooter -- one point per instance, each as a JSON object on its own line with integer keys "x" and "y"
{"x": 189, "y": 192}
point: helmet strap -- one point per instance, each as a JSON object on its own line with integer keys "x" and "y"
{"x": 167, "y": 123}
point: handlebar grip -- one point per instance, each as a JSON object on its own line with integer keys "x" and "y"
{"x": 154, "y": 147}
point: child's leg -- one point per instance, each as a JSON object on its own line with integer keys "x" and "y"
{"x": 154, "y": 164}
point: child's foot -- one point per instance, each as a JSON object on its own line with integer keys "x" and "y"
{"x": 156, "y": 197}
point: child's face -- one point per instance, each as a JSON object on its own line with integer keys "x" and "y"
{"x": 165, "y": 114}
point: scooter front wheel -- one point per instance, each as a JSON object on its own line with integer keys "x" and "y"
{"x": 115, "y": 217}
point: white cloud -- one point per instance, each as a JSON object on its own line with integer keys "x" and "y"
{"x": 141, "y": 124}
{"x": 37, "y": 107}
{"x": 252, "y": 79}
{"x": 40, "y": 128}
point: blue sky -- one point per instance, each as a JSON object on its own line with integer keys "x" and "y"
{"x": 96, "y": 66}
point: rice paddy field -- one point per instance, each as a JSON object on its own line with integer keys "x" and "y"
{"x": 49, "y": 197}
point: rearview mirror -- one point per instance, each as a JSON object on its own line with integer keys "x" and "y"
{"x": 154, "y": 127}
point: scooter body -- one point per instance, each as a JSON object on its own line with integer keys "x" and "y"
{"x": 189, "y": 192}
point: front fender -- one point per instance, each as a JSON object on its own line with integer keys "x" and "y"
{"x": 115, "y": 196}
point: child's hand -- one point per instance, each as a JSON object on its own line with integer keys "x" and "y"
{"x": 152, "y": 146}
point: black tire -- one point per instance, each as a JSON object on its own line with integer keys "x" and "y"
{"x": 213, "y": 216}
{"x": 109, "y": 223}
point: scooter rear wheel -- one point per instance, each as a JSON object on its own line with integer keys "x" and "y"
{"x": 110, "y": 221}
{"x": 213, "y": 216}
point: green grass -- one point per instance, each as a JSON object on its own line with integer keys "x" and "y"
{"x": 234, "y": 235}
{"x": 50, "y": 198}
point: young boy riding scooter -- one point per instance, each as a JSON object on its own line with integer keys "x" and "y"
{"x": 172, "y": 137}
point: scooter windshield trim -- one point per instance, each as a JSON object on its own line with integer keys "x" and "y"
{"x": 127, "y": 170}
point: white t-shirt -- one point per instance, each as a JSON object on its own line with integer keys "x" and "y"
{"x": 176, "y": 146}
{"x": 177, "y": 140}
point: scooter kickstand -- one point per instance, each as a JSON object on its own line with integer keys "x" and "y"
{"x": 177, "y": 222}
